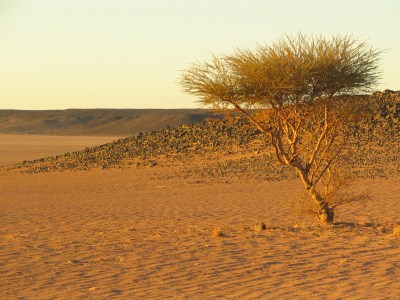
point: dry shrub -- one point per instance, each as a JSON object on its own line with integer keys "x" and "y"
{"x": 336, "y": 192}
{"x": 300, "y": 204}
{"x": 337, "y": 189}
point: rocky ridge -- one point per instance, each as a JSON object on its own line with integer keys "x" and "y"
{"x": 239, "y": 150}
{"x": 145, "y": 149}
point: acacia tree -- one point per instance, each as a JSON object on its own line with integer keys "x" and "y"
{"x": 300, "y": 92}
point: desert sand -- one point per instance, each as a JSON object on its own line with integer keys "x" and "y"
{"x": 143, "y": 233}
{"x": 16, "y": 147}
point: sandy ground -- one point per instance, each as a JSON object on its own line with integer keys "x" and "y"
{"x": 128, "y": 234}
{"x": 15, "y": 148}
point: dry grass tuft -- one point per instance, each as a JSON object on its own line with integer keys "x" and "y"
{"x": 396, "y": 230}
{"x": 217, "y": 232}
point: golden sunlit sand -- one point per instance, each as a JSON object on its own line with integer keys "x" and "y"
{"x": 131, "y": 234}
{"x": 15, "y": 148}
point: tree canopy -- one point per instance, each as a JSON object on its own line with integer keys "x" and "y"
{"x": 292, "y": 70}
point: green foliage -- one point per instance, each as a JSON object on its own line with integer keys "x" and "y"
{"x": 291, "y": 70}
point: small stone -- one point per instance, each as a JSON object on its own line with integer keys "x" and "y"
{"x": 73, "y": 261}
{"x": 260, "y": 226}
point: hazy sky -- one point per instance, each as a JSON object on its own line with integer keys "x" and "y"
{"x": 127, "y": 53}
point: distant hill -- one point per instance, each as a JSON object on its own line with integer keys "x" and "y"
{"x": 97, "y": 122}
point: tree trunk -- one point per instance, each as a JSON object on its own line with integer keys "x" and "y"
{"x": 325, "y": 214}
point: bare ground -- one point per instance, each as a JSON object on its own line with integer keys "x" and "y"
{"x": 140, "y": 233}
{"x": 15, "y": 147}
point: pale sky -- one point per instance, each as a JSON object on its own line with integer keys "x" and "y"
{"x": 57, "y": 54}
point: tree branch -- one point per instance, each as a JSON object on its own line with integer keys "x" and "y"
{"x": 249, "y": 116}
{"x": 333, "y": 138}
{"x": 320, "y": 139}
{"x": 329, "y": 163}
